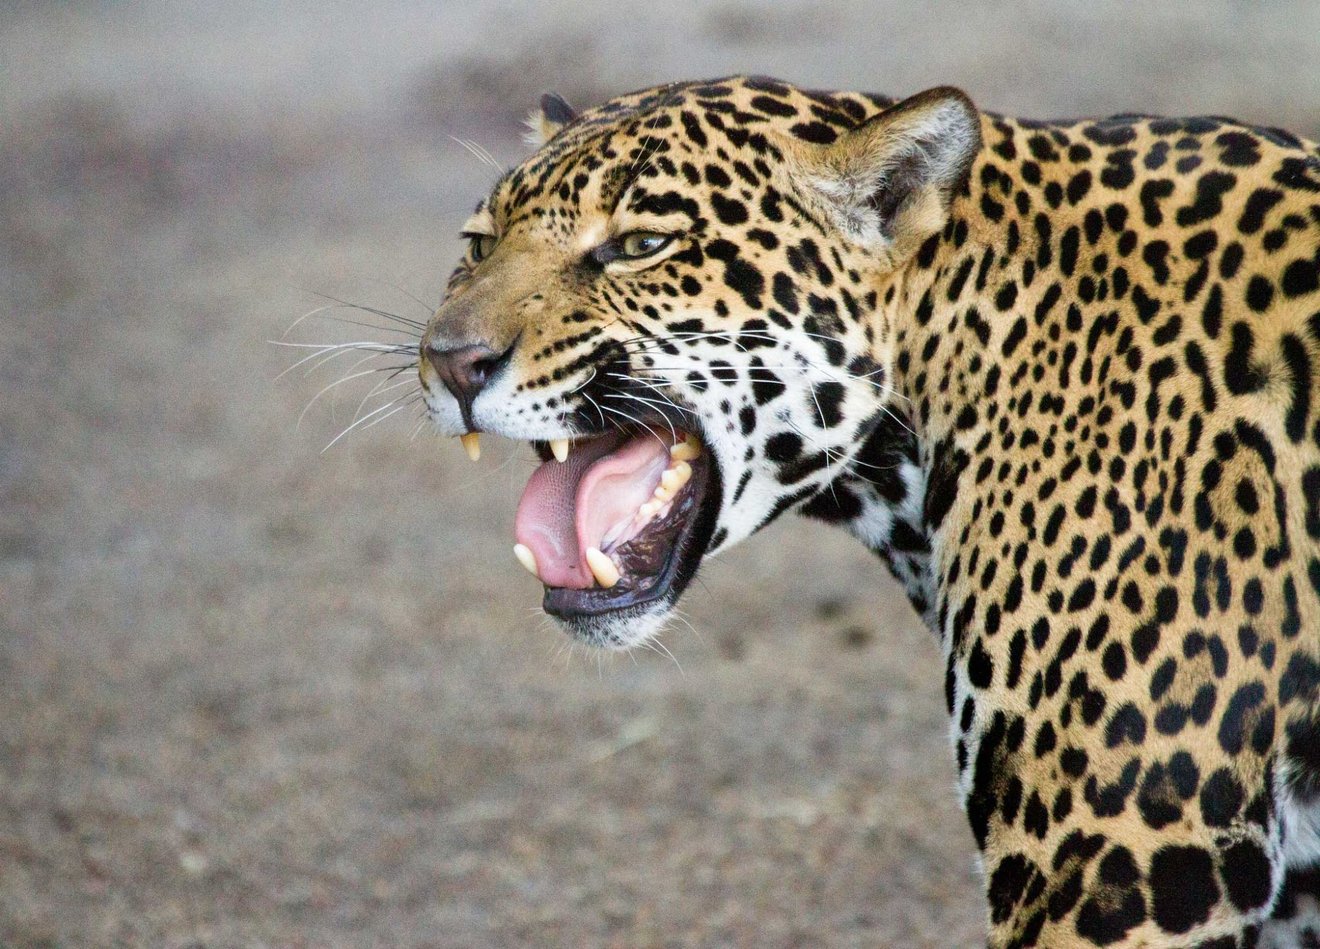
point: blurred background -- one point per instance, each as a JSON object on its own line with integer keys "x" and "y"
{"x": 257, "y": 694}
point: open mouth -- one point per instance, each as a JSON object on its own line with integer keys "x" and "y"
{"x": 618, "y": 522}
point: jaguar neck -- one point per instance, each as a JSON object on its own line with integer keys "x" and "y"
{"x": 879, "y": 500}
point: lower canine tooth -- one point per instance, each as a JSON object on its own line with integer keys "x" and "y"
{"x": 602, "y": 568}
{"x": 471, "y": 444}
{"x": 527, "y": 559}
{"x": 559, "y": 448}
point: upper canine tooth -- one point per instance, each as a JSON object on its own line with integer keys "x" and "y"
{"x": 602, "y": 568}
{"x": 527, "y": 559}
{"x": 471, "y": 444}
{"x": 686, "y": 450}
{"x": 559, "y": 448}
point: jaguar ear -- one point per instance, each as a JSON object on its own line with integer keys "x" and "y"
{"x": 889, "y": 182}
{"x": 545, "y": 122}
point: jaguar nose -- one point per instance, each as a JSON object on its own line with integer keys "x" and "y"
{"x": 465, "y": 370}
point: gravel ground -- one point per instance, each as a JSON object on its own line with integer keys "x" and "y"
{"x": 254, "y": 694}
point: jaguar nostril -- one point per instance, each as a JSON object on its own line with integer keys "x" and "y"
{"x": 483, "y": 369}
{"x": 465, "y": 370}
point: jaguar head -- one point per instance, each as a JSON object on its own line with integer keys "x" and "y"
{"x": 682, "y": 300}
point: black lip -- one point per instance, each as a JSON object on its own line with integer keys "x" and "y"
{"x": 694, "y": 514}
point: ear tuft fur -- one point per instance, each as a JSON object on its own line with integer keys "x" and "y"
{"x": 889, "y": 182}
{"x": 545, "y": 123}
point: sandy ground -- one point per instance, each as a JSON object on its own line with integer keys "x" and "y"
{"x": 254, "y": 694}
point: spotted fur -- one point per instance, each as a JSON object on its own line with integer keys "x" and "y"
{"x": 1063, "y": 377}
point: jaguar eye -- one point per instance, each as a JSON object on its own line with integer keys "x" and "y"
{"x": 481, "y": 246}
{"x": 643, "y": 243}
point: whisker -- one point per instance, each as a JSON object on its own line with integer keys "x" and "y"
{"x": 331, "y": 357}
{"x": 808, "y": 439}
{"x": 660, "y": 649}
{"x": 325, "y": 358}
{"x": 636, "y": 421}
{"x": 596, "y": 405}
{"x": 409, "y": 294}
{"x": 374, "y": 311}
{"x": 385, "y": 416}
{"x": 637, "y": 398}
{"x": 320, "y": 351}
{"x": 678, "y": 614}
{"x": 405, "y": 405}
{"x": 663, "y": 402}
{"x": 338, "y": 382}
{"x": 409, "y": 332}
{"x": 306, "y": 316}
{"x": 380, "y": 389}
{"x": 798, "y": 372}
{"x": 650, "y": 386}
{"x": 648, "y": 139}
{"x": 323, "y": 349}
{"x": 355, "y": 424}
{"x": 479, "y": 153}
{"x": 584, "y": 383}
{"x": 485, "y": 151}
{"x": 364, "y": 344}
{"x": 647, "y": 343}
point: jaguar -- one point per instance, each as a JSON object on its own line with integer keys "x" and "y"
{"x": 1062, "y": 377}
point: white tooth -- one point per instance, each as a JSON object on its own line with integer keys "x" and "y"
{"x": 527, "y": 559}
{"x": 647, "y": 510}
{"x": 662, "y": 493}
{"x": 686, "y": 450}
{"x": 674, "y": 478}
{"x": 602, "y": 568}
{"x": 559, "y": 448}
{"x": 471, "y": 444}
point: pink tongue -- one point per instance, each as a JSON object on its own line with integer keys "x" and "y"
{"x": 569, "y": 506}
